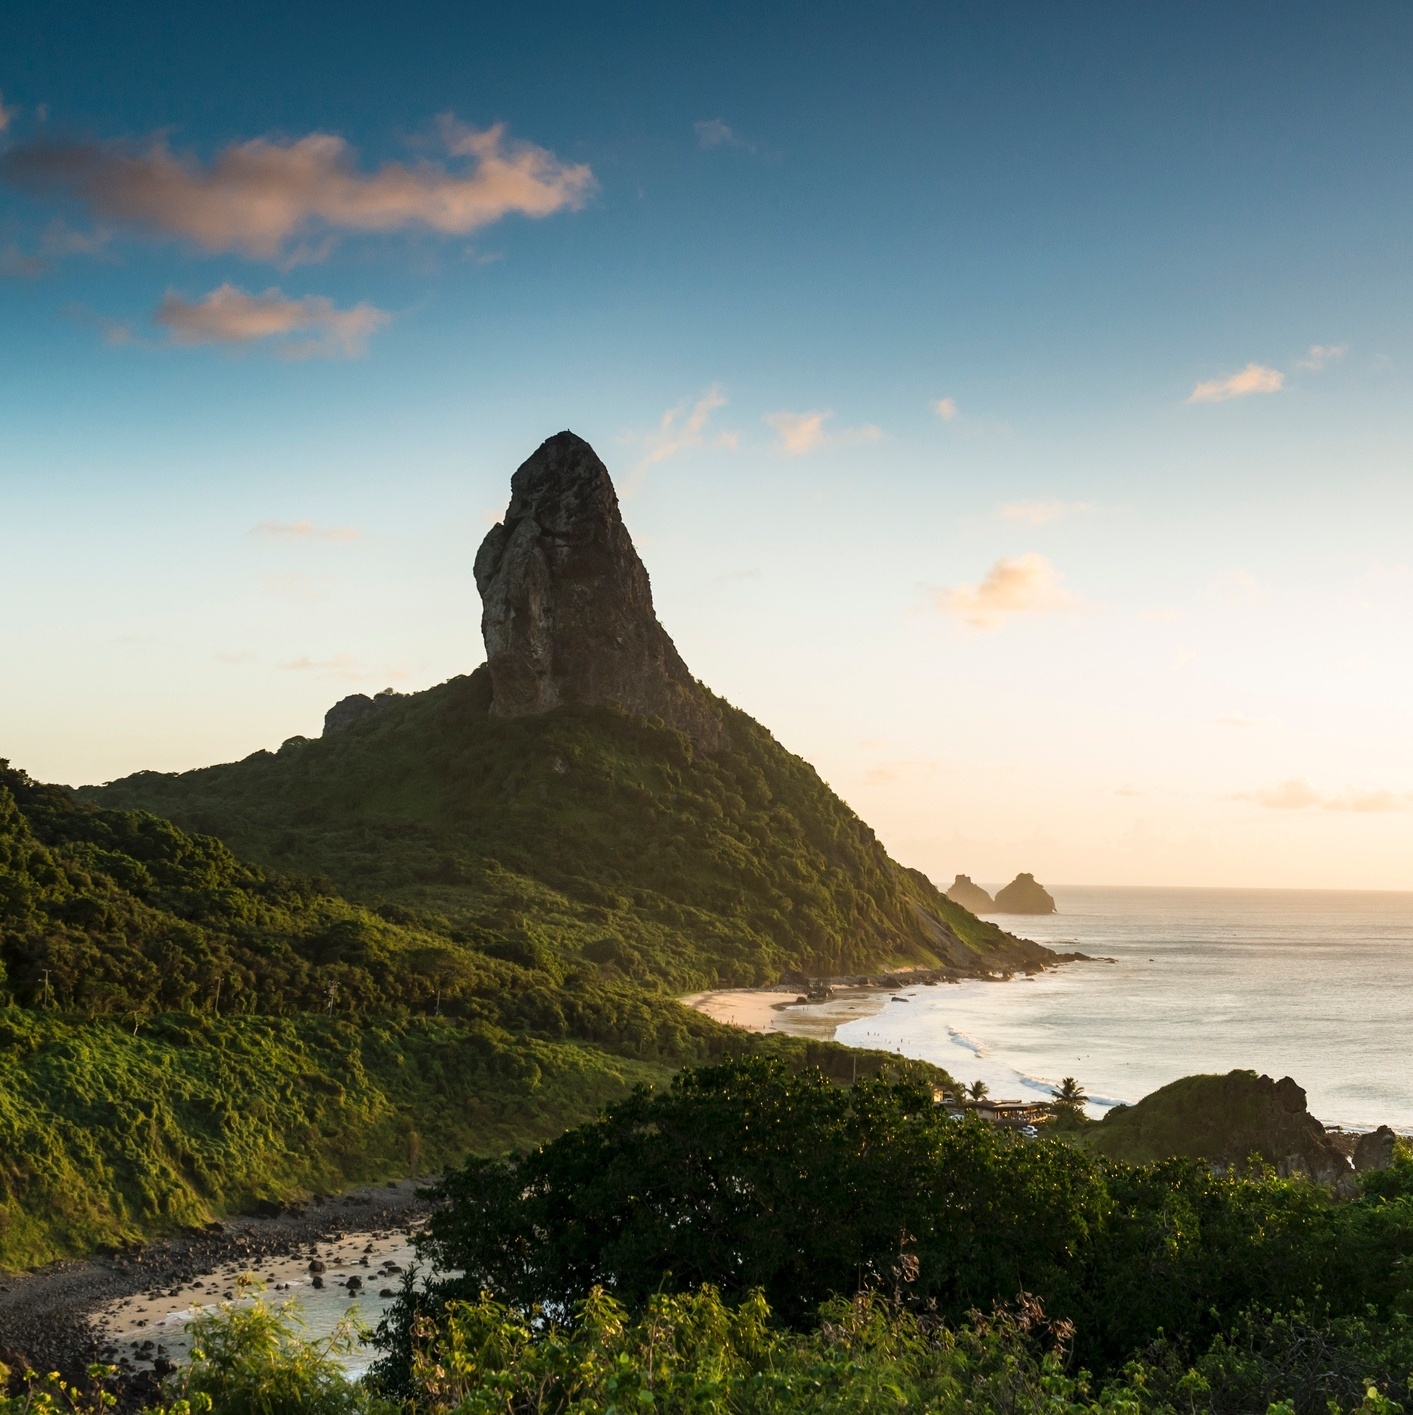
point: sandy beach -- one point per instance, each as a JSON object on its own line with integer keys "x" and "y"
{"x": 758, "y": 1010}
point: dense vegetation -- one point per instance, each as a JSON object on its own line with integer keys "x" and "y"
{"x": 182, "y": 1033}
{"x": 749, "y": 1178}
{"x": 586, "y": 833}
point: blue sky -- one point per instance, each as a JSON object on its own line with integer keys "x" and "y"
{"x": 1011, "y": 402}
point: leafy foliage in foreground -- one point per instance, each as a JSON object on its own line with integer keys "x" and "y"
{"x": 692, "y": 1353}
{"x": 748, "y": 1177}
{"x": 588, "y": 835}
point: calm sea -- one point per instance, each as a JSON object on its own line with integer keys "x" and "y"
{"x": 1311, "y": 984}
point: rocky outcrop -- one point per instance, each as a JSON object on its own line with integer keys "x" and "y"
{"x": 1374, "y": 1150}
{"x": 567, "y": 609}
{"x": 970, "y": 896}
{"x": 355, "y": 708}
{"x": 1023, "y": 896}
{"x": 1226, "y": 1120}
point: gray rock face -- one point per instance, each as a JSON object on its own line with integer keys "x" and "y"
{"x": 355, "y": 708}
{"x": 1374, "y": 1150}
{"x": 567, "y": 610}
{"x": 970, "y": 896}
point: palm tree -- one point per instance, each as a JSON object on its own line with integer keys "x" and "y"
{"x": 977, "y": 1090}
{"x": 1071, "y": 1093}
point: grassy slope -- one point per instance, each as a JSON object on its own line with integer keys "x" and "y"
{"x": 589, "y": 834}
{"x": 182, "y": 1033}
{"x": 107, "y": 1136}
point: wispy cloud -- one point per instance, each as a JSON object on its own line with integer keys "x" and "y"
{"x": 1296, "y": 794}
{"x": 58, "y": 242}
{"x": 1024, "y": 584}
{"x": 684, "y": 427}
{"x": 1321, "y": 356}
{"x": 258, "y": 197}
{"x": 798, "y": 434}
{"x": 344, "y": 666}
{"x": 300, "y": 589}
{"x": 303, "y": 530}
{"x": 945, "y": 408}
{"x": 1254, "y": 378}
{"x": 1038, "y": 513}
{"x": 1241, "y": 589}
{"x": 229, "y": 315}
{"x": 1233, "y": 719}
{"x": 7, "y": 115}
{"x": 712, "y": 132}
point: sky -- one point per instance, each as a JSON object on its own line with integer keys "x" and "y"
{"x": 1011, "y": 403}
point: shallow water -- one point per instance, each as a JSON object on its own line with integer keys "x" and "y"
{"x": 163, "y": 1320}
{"x": 1310, "y": 984}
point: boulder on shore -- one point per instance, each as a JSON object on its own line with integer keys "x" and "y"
{"x": 1374, "y": 1150}
{"x": 1024, "y": 896}
{"x": 970, "y": 896}
{"x": 1225, "y": 1120}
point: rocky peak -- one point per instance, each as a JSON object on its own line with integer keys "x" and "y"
{"x": 567, "y": 609}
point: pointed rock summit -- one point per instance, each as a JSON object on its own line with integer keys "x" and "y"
{"x": 567, "y": 610}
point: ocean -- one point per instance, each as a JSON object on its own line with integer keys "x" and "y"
{"x": 1312, "y": 984}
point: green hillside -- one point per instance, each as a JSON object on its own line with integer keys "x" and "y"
{"x": 183, "y": 1033}
{"x": 584, "y": 834}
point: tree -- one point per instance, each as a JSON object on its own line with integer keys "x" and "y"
{"x": 1070, "y": 1093}
{"x": 978, "y": 1090}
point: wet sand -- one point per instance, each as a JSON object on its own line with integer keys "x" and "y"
{"x": 70, "y": 1314}
{"x": 757, "y": 1010}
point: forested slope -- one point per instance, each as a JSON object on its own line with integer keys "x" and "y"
{"x": 590, "y": 834}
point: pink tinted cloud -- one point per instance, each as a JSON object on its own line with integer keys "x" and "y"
{"x": 229, "y": 315}
{"x": 1254, "y": 378}
{"x": 258, "y": 197}
{"x": 1022, "y": 584}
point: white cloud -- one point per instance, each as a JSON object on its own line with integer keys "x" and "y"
{"x": 684, "y": 427}
{"x": 1322, "y": 355}
{"x": 1298, "y": 795}
{"x": 1024, "y": 584}
{"x": 712, "y": 132}
{"x": 1037, "y": 513}
{"x": 798, "y": 434}
{"x": 304, "y": 530}
{"x": 344, "y": 666}
{"x": 257, "y": 197}
{"x": 1254, "y": 378}
{"x": 229, "y": 315}
{"x": 945, "y": 408}
{"x": 1241, "y": 589}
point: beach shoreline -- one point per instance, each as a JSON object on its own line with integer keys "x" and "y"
{"x": 764, "y": 1010}
{"x": 74, "y": 1312}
